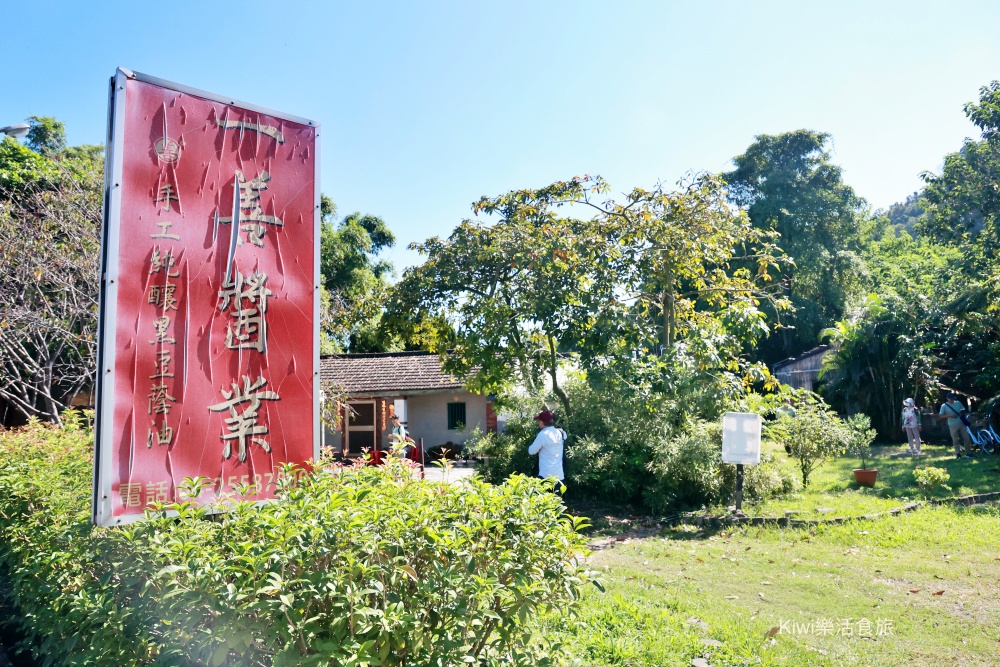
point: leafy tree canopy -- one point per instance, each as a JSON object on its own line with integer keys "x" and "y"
{"x": 657, "y": 272}
{"x": 20, "y": 166}
{"x": 788, "y": 184}
{"x": 905, "y": 215}
{"x": 355, "y": 280}
{"x": 47, "y": 135}
{"x": 963, "y": 202}
{"x": 519, "y": 291}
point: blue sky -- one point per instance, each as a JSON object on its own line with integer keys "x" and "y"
{"x": 428, "y": 106}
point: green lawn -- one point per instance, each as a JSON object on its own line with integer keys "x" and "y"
{"x": 832, "y": 486}
{"x": 683, "y": 594}
{"x": 921, "y": 588}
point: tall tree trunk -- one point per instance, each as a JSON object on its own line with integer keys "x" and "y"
{"x": 553, "y": 365}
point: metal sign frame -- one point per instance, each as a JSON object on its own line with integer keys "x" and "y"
{"x": 101, "y": 508}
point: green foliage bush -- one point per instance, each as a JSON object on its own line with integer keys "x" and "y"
{"x": 688, "y": 472}
{"x": 815, "y": 434}
{"x": 505, "y": 454}
{"x": 355, "y": 566}
{"x": 656, "y": 454}
{"x": 859, "y": 436}
{"x": 929, "y": 478}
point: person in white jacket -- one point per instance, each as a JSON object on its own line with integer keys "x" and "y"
{"x": 548, "y": 445}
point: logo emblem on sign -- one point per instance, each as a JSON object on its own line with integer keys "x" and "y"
{"x": 167, "y": 150}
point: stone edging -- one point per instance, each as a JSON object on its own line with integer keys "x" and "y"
{"x": 714, "y": 522}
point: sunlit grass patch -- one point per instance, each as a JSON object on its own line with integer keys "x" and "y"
{"x": 832, "y": 490}
{"x": 928, "y": 580}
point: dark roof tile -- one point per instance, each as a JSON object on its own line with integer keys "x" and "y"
{"x": 385, "y": 372}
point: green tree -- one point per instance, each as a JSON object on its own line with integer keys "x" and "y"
{"x": 813, "y": 436}
{"x": 20, "y": 166}
{"x": 653, "y": 274}
{"x": 518, "y": 292}
{"x": 696, "y": 262}
{"x": 905, "y": 215}
{"x": 47, "y": 135}
{"x": 355, "y": 280}
{"x": 963, "y": 202}
{"x": 963, "y": 211}
{"x": 788, "y": 184}
{"x": 922, "y": 326}
{"x": 49, "y": 282}
{"x": 44, "y": 158}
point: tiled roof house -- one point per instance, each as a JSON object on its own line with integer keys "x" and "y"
{"x": 436, "y": 407}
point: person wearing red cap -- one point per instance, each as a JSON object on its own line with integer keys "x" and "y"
{"x": 548, "y": 445}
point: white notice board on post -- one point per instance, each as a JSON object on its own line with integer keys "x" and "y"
{"x": 741, "y": 438}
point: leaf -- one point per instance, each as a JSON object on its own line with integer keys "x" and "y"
{"x": 938, "y": 593}
{"x": 772, "y": 632}
{"x": 914, "y": 590}
{"x": 220, "y": 655}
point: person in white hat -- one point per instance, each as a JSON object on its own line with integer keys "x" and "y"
{"x": 911, "y": 425}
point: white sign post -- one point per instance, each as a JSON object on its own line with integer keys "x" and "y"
{"x": 740, "y": 445}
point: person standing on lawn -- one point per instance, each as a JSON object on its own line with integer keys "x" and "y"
{"x": 548, "y": 445}
{"x": 911, "y": 425}
{"x": 952, "y": 408}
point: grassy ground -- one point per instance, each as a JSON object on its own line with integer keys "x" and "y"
{"x": 918, "y": 589}
{"x": 832, "y": 486}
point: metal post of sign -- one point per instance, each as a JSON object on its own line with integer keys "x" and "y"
{"x": 739, "y": 488}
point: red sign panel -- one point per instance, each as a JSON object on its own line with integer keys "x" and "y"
{"x": 209, "y": 344}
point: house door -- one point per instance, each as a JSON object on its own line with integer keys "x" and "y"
{"x": 360, "y": 433}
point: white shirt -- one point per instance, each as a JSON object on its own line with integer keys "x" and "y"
{"x": 548, "y": 445}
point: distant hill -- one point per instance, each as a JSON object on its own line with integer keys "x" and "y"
{"x": 905, "y": 214}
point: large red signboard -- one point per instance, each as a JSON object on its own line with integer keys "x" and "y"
{"x": 209, "y": 349}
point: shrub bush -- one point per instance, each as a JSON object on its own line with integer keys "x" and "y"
{"x": 627, "y": 450}
{"x": 815, "y": 434}
{"x": 688, "y": 472}
{"x": 352, "y": 566}
{"x": 929, "y": 478}
{"x": 505, "y": 454}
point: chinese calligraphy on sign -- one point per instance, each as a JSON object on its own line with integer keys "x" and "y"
{"x": 243, "y": 425}
{"x": 248, "y": 297}
{"x": 209, "y": 354}
{"x": 240, "y": 125}
{"x": 250, "y": 202}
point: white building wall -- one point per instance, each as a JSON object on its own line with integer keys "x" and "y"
{"x": 427, "y": 416}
